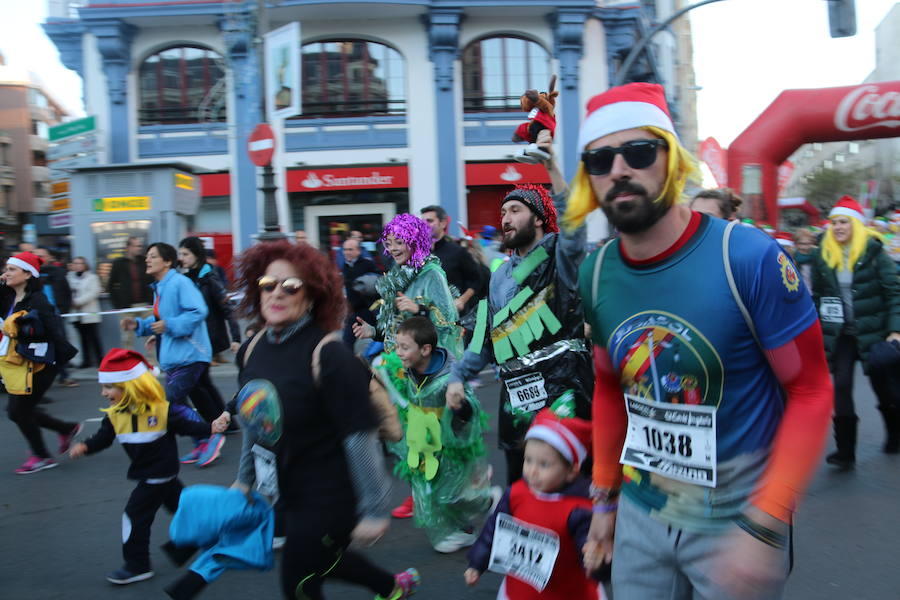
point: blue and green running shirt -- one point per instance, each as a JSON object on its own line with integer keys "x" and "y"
{"x": 703, "y": 404}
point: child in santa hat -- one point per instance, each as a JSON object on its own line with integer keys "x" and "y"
{"x": 536, "y": 534}
{"x": 145, "y": 424}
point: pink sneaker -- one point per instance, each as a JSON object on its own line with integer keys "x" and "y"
{"x": 65, "y": 440}
{"x": 35, "y": 464}
{"x": 406, "y": 584}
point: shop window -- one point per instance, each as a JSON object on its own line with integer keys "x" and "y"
{"x": 497, "y": 70}
{"x": 351, "y": 78}
{"x": 184, "y": 84}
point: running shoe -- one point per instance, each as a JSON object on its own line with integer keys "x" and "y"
{"x": 35, "y": 464}
{"x": 406, "y": 584}
{"x": 192, "y": 456}
{"x": 456, "y": 541}
{"x": 404, "y": 510}
{"x": 278, "y": 542}
{"x": 65, "y": 440}
{"x": 210, "y": 450}
{"x": 123, "y": 576}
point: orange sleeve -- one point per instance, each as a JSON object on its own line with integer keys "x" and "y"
{"x": 609, "y": 422}
{"x": 797, "y": 449}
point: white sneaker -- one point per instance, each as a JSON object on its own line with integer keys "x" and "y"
{"x": 456, "y": 541}
{"x": 278, "y": 542}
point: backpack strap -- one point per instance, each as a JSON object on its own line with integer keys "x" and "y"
{"x": 595, "y": 285}
{"x": 334, "y": 336}
{"x": 251, "y": 345}
{"x": 726, "y": 259}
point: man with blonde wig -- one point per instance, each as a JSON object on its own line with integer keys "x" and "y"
{"x": 712, "y": 394}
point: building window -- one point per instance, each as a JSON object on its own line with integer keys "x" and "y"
{"x": 498, "y": 70}
{"x": 352, "y": 78}
{"x": 185, "y": 84}
{"x": 853, "y": 148}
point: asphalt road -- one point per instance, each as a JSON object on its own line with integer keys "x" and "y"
{"x": 60, "y": 529}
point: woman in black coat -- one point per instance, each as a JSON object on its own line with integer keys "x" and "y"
{"x": 857, "y": 290}
{"x": 22, "y": 292}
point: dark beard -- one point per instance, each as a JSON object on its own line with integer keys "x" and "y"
{"x": 634, "y": 216}
{"x": 523, "y": 237}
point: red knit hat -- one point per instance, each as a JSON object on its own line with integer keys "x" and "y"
{"x": 538, "y": 200}
{"x": 785, "y": 239}
{"x": 120, "y": 365}
{"x": 625, "y": 107}
{"x": 847, "y": 207}
{"x": 571, "y": 437}
{"x": 27, "y": 262}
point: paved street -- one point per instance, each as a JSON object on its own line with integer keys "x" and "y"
{"x": 60, "y": 528}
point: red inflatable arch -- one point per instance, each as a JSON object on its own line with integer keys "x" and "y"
{"x": 797, "y": 117}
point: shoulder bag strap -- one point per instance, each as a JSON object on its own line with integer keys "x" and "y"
{"x": 726, "y": 259}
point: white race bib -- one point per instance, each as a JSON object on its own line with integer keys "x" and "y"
{"x": 523, "y": 551}
{"x": 677, "y": 441}
{"x": 527, "y": 392}
{"x": 266, "y": 471}
{"x": 4, "y": 345}
{"x": 831, "y": 309}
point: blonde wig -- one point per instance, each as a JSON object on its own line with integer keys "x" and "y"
{"x": 833, "y": 251}
{"x": 138, "y": 394}
{"x": 681, "y": 168}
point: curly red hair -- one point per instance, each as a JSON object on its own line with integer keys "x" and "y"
{"x": 322, "y": 283}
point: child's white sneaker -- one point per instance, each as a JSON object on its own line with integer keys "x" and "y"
{"x": 456, "y": 541}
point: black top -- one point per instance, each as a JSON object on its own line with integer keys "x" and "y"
{"x": 121, "y": 282}
{"x": 351, "y": 272}
{"x": 152, "y": 457}
{"x": 312, "y": 466}
{"x": 54, "y": 330}
{"x": 461, "y": 269}
{"x": 54, "y": 277}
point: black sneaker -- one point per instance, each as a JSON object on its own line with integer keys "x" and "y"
{"x": 123, "y": 576}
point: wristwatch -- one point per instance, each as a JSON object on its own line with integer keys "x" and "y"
{"x": 603, "y": 495}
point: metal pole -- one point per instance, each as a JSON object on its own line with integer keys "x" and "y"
{"x": 623, "y": 69}
{"x": 271, "y": 230}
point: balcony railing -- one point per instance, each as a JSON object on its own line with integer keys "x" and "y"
{"x": 39, "y": 173}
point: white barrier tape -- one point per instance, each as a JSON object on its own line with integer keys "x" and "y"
{"x": 108, "y": 312}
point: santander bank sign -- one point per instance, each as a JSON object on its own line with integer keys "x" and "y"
{"x": 866, "y": 107}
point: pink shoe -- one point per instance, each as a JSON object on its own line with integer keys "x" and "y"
{"x": 405, "y": 585}
{"x": 65, "y": 440}
{"x": 35, "y": 464}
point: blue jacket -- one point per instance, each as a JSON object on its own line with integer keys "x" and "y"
{"x": 182, "y": 307}
{"x": 232, "y": 533}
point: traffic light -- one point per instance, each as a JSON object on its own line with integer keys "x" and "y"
{"x": 842, "y": 17}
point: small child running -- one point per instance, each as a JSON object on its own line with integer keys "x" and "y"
{"x": 442, "y": 453}
{"x": 145, "y": 424}
{"x": 536, "y": 533}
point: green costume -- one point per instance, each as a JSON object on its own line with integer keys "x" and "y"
{"x": 442, "y": 454}
{"x": 427, "y": 287}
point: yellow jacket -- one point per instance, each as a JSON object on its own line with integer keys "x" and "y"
{"x": 17, "y": 372}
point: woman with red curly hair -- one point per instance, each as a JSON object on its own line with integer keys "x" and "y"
{"x": 330, "y": 471}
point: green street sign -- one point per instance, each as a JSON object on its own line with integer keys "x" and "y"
{"x": 72, "y": 128}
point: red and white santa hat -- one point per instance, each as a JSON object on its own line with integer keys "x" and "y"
{"x": 120, "y": 365}
{"x": 571, "y": 436}
{"x": 625, "y": 107}
{"x": 847, "y": 207}
{"x": 785, "y": 239}
{"x": 28, "y": 262}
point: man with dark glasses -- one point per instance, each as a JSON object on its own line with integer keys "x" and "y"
{"x": 712, "y": 393}
{"x": 531, "y": 325}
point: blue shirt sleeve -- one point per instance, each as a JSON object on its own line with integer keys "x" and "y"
{"x": 771, "y": 287}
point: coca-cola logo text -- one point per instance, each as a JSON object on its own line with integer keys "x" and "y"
{"x": 864, "y": 108}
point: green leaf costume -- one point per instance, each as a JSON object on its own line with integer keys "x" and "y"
{"x": 441, "y": 456}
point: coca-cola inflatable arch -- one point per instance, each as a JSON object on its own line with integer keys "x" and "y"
{"x": 797, "y": 117}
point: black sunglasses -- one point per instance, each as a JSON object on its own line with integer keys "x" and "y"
{"x": 289, "y": 286}
{"x": 639, "y": 154}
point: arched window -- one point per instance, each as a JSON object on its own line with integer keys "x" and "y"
{"x": 352, "y": 78}
{"x": 498, "y": 70}
{"x": 184, "y": 84}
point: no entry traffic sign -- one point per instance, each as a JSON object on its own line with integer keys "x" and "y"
{"x": 261, "y": 145}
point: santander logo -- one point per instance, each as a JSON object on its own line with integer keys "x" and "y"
{"x": 510, "y": 174}
{"x": 312, "y": 181}
{"x": 864, "y": 108}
